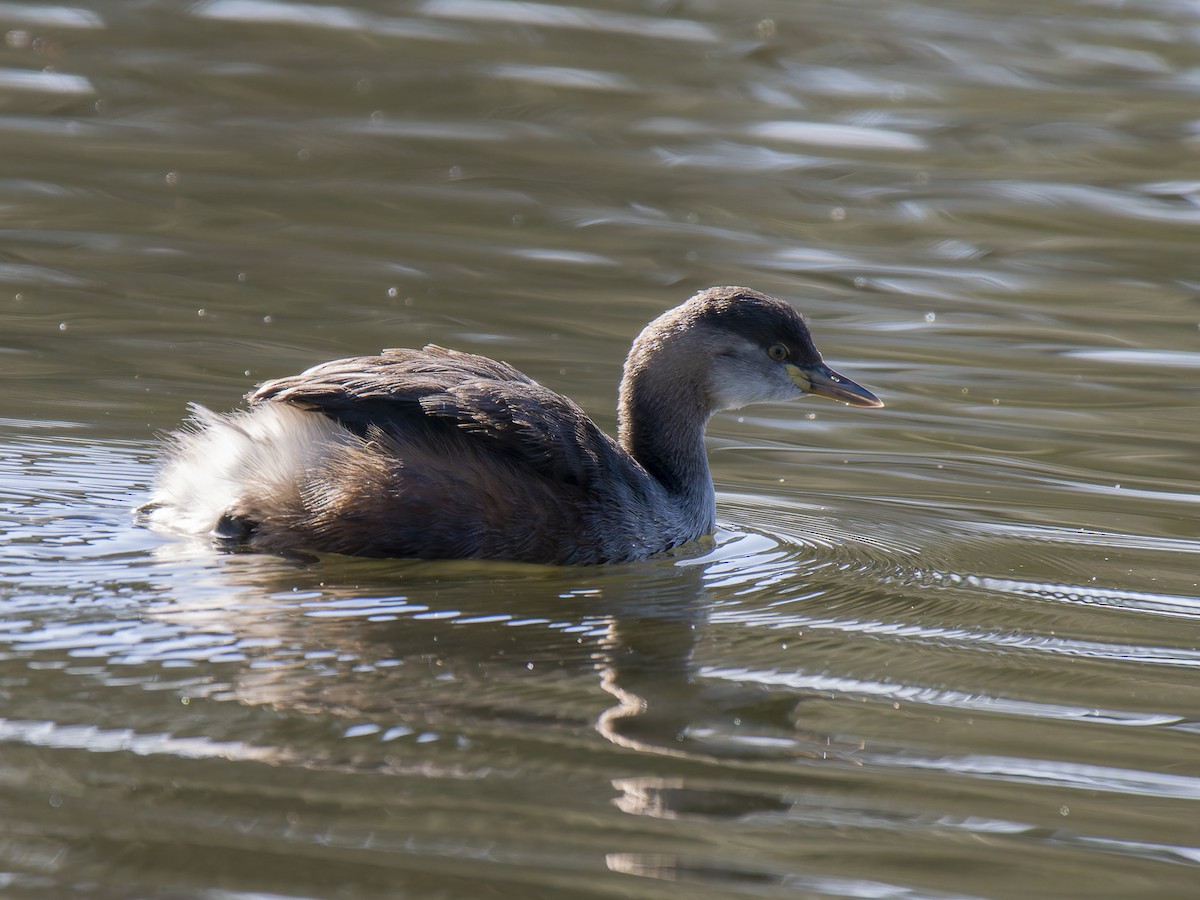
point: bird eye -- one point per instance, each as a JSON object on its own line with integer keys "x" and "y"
{"x": 778, "y": 352}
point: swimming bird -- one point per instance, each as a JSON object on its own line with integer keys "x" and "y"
{"x": 438, "y": 454}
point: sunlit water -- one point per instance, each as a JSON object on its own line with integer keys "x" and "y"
{"x": 950, "y": 648}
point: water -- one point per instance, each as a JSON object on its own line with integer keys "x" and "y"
{"x": 944, "y": 649}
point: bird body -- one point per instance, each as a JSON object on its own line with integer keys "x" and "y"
{"x": 438, "y": 454}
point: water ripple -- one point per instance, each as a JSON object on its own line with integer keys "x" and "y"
{"x": 940, "y": 697}
{"x": 45, "y": 82}
{"x": 114, "y": 740}
{"x": 50, "y": 16}
{"x": 828, "y": 134}
{"x": 323, "y": 17}
{"x": 1057, "y": 774}
{"x": 551, "y": 16}
{"x": 963, "y": 638}
{"x": 565, "y": 77}
{"x": 1178, "y": 606}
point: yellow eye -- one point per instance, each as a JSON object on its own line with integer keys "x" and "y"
{"x": 778, "y": 352}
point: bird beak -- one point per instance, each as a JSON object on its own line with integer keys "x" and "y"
{"x": 824, "y": 382}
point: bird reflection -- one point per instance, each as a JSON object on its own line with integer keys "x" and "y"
{"x": 482, "y": 653}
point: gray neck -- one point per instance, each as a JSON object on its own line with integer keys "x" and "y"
{"x": 662, "y": 416}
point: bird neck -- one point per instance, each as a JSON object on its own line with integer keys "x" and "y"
{"x": 662, "y": 416}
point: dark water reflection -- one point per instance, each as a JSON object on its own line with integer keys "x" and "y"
{"x": 944, "y": 650}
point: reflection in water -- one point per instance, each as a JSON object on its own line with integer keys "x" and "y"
{"x": 664, "y": 705}
{"x": 637, "y": 631}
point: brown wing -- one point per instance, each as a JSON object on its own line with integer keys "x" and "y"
{"x": 392, "y": 372}
{"x": 437, "y": 395}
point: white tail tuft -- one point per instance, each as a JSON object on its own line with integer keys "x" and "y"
{"x": 220, "y": 463}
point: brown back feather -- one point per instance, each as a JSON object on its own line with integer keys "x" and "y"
{"x": 435, "y": 396}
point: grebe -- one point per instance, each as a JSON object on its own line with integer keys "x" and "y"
{"x": 437, "y": 454}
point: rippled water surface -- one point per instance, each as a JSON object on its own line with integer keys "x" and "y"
{"x": 950, "y": 648}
